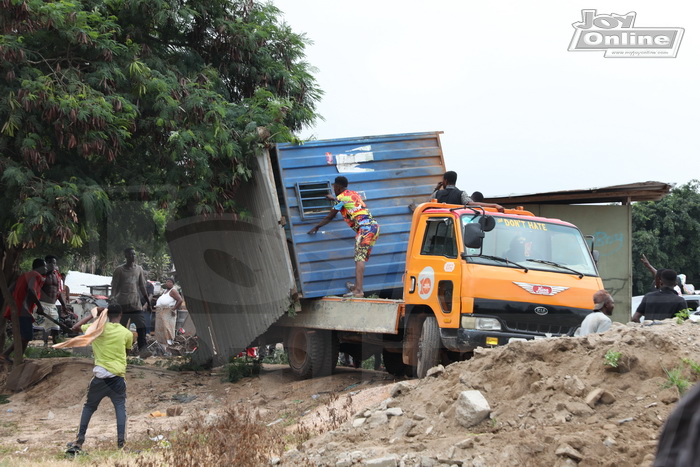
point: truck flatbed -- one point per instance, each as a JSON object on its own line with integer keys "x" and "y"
{"x": 375, "y": 315}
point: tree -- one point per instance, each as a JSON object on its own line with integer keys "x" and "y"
{"x": 668, "y": 233}
{"x": 148, "y": 107}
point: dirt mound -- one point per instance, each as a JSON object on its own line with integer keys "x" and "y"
{"x": 543, "y": 411}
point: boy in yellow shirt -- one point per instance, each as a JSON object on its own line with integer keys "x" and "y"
{"x": 110, "y": 349}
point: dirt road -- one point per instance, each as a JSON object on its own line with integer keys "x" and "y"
{"x": 539, "y": 394}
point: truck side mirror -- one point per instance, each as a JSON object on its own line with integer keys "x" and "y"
{"x": 596, "y": 256}
{"x": 473, "y": 235}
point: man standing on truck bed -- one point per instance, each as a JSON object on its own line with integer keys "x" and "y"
{"x": 358, "y": 217}
{"x": 447, "y": 192}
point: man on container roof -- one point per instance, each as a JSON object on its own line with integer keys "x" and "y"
{"x": 358, "y": 217}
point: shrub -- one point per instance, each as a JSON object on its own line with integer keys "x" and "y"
{"x": 612, "y": 358}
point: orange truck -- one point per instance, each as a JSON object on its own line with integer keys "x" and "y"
{"x": 474, "y": 278}
{"x": 448, "y": 279}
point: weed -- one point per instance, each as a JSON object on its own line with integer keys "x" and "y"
{"x": 46, "y": 352}
{"x": 676, "y": 379}
{"x": 241, "y": 368}
{"x": 612, "y": 358}
{"x": 278, "y": 357}
{"x": 237, "y": 437}
{"x": 683, "y": 315}
{"x": 4, "y": 399}
{"x": 695, "y": 366}
{"x": 135, "y": 361}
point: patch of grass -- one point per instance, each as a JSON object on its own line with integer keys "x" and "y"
{"x": 4, "y": 399}
{"x": 612, "y": 358}
{"x": 135, "y": 361}
{"x": 46, "y": 352}
{"x": 683, "y": 315}
{"x": 695, "y": 366}
{"x": 240, "y": 368}
{"x": 674, "y": 378}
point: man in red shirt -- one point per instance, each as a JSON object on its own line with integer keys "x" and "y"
{"x": 354, "y": 210}
{"x": 26, "y": 295}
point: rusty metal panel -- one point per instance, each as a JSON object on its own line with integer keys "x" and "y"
{"x": 358, "y": 314}
{"x": 236, "y": 273}
{"x": 390, "y": 171}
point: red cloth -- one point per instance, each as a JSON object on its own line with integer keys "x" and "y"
{"x": 20, "y": 291}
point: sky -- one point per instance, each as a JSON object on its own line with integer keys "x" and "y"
{"x": 520, "y": 113}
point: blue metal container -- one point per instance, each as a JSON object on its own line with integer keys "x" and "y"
{"x": 390, "y": 172}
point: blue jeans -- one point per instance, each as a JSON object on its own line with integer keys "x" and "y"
{"x": 115, "y": 389}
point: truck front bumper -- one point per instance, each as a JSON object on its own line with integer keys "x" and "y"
{"x": 466, "y": 340}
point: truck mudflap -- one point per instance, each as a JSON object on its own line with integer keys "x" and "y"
{"x": 466, "y": 340}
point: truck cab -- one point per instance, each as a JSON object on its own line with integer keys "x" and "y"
{"x": 476, "y": 277}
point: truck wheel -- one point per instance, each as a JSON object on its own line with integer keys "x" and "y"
{"x": 428, "y": 347}
{"x": 393, "y": 362}
{"x": 311, "y": 352}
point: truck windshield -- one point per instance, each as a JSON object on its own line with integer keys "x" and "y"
{"x": 533, "y": 244}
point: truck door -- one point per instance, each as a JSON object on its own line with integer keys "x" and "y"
{"x": 437, "y": 270}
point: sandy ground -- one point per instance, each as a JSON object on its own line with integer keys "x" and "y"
{"x": 536, "y": 390}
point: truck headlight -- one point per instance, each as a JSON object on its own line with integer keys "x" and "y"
{"x": 484, "y": 324}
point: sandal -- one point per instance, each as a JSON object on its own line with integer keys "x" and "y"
{"x": 350, "y": 286}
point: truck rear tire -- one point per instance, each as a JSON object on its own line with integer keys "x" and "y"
{"x": 311, "y": 352}
{"x": 428, "y": 347}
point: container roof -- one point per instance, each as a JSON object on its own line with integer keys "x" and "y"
{"x": 625, "y": 194}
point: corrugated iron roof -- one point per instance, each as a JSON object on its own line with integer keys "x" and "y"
{"x": 625, "y": 194}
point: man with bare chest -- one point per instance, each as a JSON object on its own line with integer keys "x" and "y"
{"x": 50, "y": 292}
{"x": 128, "y": 286}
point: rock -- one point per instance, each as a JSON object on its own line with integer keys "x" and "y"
{"x": 607, "y": 397}
{"x": 394, "y": 412}
{"x": 275, "y": 461}
{"x": 358, "y": 422}
{"x": 377, "y": 419}
{"x": 435, "y": 371}
{"x": 574, "y": 387}
{"x": 610, "y": 442}
{"x": 400, "y": 389}
{"x": 466, "y": 443}
{"x": 388, "y": 461}
{"x": 426, "y": 461}
{"x": 174, "y": 411}
{"x": 668, "y": 395}
{"x": 418, "y": 416}
{"x": 471, "y": 408}
{"x": 429, "y": 430}
{"x": 565, "y": 450}
{"x": 593, "y": 397}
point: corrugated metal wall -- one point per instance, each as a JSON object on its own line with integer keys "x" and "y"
{"x": 236, "y": 274}
{"x": 391, "y": 171}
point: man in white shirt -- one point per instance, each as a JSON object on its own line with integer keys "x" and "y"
{"x": 598, "y": 320}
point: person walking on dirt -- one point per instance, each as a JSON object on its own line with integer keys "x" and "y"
{"x": 166, "y": 312}
{"x": 51, "y": 291}
{"x": 599, "y": 320}
{"x": 663, "y": 303}
{"x": 354, "y": 210}
{"x": 110, "y": 349}
{"x": 447, "y": 192}
{"x": 128, "y": 286}
{"x": 26, "y": 295}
